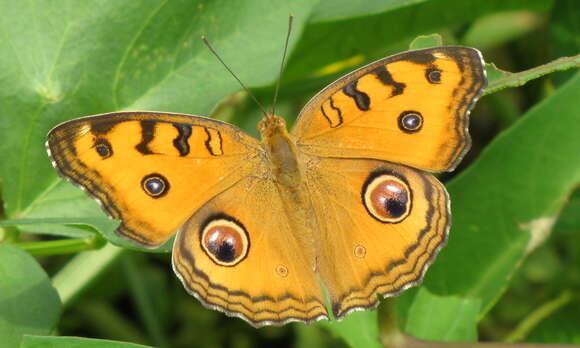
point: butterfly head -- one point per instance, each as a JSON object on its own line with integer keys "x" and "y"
{"x": 271, "y": 125}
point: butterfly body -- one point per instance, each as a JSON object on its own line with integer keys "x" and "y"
{"x": 281, "y": 151}
{"x": 342, "y": 204}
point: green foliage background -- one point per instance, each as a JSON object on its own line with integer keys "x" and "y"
{"x": 511, "y": 271}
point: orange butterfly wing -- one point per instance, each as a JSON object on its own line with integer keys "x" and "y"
{"x": 358, "y": 136}
{"x": 248, "y": 252}
{"x": 365, "y": 252}
{"x": 409, "y": 108}
{"x": 182, "y": 160}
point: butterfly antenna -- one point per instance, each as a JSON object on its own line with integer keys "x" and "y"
{"x": 290, "y": 18}
{"x": 204, "y": 39}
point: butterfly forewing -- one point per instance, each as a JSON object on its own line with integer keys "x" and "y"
{"x": 151, "y": 170}
{"x": 410, "y": 108}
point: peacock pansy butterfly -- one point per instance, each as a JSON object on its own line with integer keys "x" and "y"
{"x": 343, "y": 203}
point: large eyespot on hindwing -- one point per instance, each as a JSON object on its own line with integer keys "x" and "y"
{"x": 224, "y": 240}
{"x": 155, "y": 185}
{"x": 387, "y": 197}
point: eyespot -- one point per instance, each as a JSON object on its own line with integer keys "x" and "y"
{"x": 433, "y": 75}
{"x": 225, "y": 241}
{"x": 103, "y": 148}
{"x": 410, "y": 121}
{"x": 282, "y": 271}
{"x": 360, "y": 251}
{"x": 155, "y": 185}
{"x": 387, "y": 197}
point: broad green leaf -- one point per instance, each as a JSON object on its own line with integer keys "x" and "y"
{"x": 63, "y": 200}
{"x": 359, "y": 329}
{"x": 507, "y": 201}
{"x": 448, "y": 318}
{"x": 73, "y": 342}
{"x": 28, "y": 302}
{"x": 82, "y": 269}
{"x": 372, "y": 37}
{"x": 499, "y": 28}
{"x": 81, "y": 58}
{"x": 309, "y": 336}
{"x": 332, "y": 10}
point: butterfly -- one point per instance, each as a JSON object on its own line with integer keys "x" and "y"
{"x": 342, "y": 205}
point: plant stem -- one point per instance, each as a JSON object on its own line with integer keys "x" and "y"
{"x": 548, "y": 308}
{"x": 61, "y": 246}
{"x": 520, "y": 78}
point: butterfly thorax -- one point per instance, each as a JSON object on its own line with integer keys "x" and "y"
{"x": 281, "y": 151}
{"x": 285, "y": 168}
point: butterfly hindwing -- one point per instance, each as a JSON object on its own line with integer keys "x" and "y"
{"x": 245, "y": 254}
{"x": 381, "y": 225}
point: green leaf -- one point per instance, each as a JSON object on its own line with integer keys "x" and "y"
{"x": 82, "y": 269}
{"x": 73, "y": 342}
{"x": 373, "y": 37}
{"x": 506, "y": 202}
{"x": 82, "y": 58}
{"x": 28, "y": 302}
{"x": 426, "y": 41}
{"x": 449, "y": 318}
{"x": 332, "y": 10}
{"x": 499, "y": 28}
{"x": 62, "y": 200}
{"x": 359, "y": 329}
